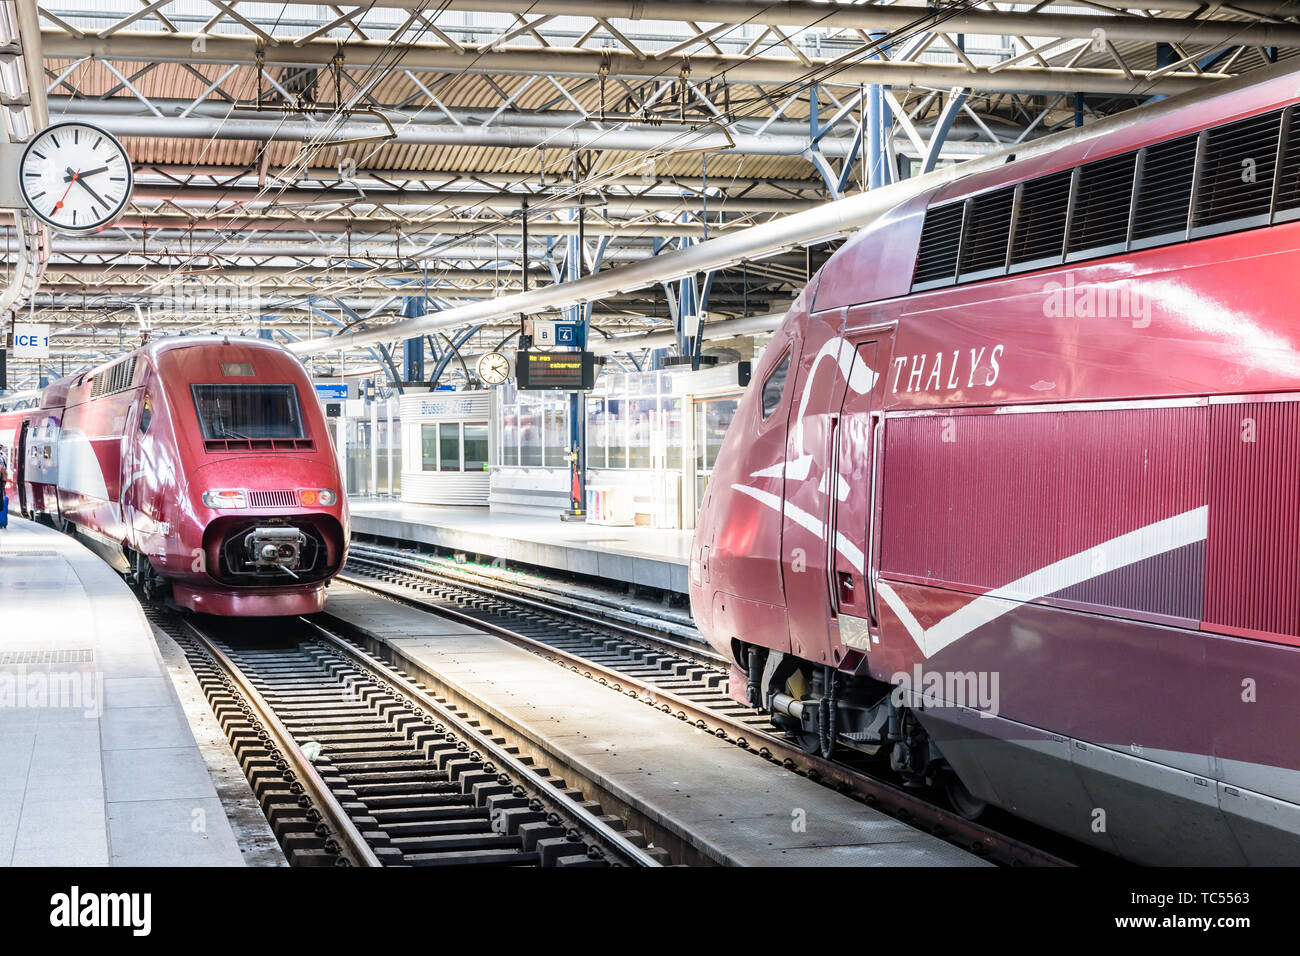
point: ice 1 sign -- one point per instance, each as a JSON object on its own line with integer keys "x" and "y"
{"x": 31, "y": 341}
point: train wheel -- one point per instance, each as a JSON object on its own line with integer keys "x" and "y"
{"x": 807, "y": 741}
{"x": 965, "y": 803}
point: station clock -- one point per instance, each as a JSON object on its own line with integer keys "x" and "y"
{"x": 493, "y": 368}
{"x": 75, "y": 177}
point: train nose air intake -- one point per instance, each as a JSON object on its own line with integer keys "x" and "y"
{"x": 269, "y": 548}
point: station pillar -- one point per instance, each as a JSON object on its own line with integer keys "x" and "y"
{"x": 413, "y": 349}
{"x": 577, "y": 400}
{"x": 413, "y": 359}
{"x": 879, "y": 129}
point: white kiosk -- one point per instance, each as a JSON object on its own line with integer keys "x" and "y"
{"x": 446, "y": 447}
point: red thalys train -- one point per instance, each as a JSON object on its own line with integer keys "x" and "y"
{"x": 1014, "y": 499}
{"x": 202, "y": 466}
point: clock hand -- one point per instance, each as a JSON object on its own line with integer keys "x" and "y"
{"x": 86, "y": 186}
{"x": 83, "y": 175}
{"x": 59, "y": 205}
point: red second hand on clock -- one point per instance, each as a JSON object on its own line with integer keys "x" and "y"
{"x": 59, "y": 205}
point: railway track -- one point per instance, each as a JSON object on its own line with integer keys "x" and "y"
{"x": 675, "y": 678}
{"x": 357, "y": 764}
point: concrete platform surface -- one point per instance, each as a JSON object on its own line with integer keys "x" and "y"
{"x": 736, "y": 807}
{"x": 98, "y": 766}
{"x": 649, "y": 557}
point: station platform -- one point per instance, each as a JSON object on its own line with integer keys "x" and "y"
{"x": 730, "y": 805}
{"x": 98, "y": 762}
{"x": 646, "y": 557}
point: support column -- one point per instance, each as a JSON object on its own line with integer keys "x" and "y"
{"x": 393, "y": 439}
{"x": 577, "y": 400}
{"x": 879, "y": 129}
{"x": 374, "y": 445}
{"x": 413, "y": 349}
{"x": 413, "y": 359}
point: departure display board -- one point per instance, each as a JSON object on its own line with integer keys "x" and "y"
{"x": 555, "y": 371}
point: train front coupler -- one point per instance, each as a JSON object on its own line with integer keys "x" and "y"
{"x": 275, "y": 548}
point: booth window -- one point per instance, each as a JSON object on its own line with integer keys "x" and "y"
{"x": 429, "y": 447}
{"x": 476, "y": 447}
{"x": 454, "y": 446}
{"x": 449, "y": 446}
{"x": 775, "y": 385}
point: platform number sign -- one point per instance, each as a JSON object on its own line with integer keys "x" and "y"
{"x": 550, "y": 334}
{"x": 31, "y": 341}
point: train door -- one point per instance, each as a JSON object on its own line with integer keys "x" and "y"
{"x": 20, "y": 467}
{"x": 807, "y": 514}
{"x": 853, "y": 605}
{"x": 138, "y": 508}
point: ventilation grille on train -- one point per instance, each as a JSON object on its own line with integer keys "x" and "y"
{"x": 1288, "y": 176}
{"x": 985, "y": 248}
{"x": 272, "y": 499}
{"x": 1240, "y": 175}
{"x": 1165, "y": 190}
{"x": 258, "y": 444}
{"x": 940, "y": 239}
{"x": 1102, "y": 200}
{"x": 1040, "y": 223}
{"x": 115, "y": 378}
{"x": 1237, "y": 172}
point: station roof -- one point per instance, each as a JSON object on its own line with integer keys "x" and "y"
{"x": 304, "y": 167}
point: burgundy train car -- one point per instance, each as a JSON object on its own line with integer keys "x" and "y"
{"x": 198, "y": 465}
{"x": 1014, "y": 499}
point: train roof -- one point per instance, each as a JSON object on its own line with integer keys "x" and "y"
{"x": 1197, "y": 114}
{"x": 879, "y": 261}
{"x": 56, "y": 393}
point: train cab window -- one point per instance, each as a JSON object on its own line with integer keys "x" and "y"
{"x": 250, "y": 412}
{"x": 775, "y": 385}
{"x": 146, "y": 415}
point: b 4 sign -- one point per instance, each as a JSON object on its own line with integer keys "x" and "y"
{"x": 31, "y": 341}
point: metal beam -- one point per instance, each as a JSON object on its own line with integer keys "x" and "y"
{"x": 122, "y": 118}
{"x": 869, "y": 17}
{"x": 373, "y": 55}
{"x": 833, "y": 220}
{"x": 414, "y": 200}
{"x": 713, "y": 331}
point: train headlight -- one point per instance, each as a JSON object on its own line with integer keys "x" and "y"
{"x": 311, "y": 497}
{"x": 224, "y": 500}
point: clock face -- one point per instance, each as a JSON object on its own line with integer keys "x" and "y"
{"x": 75, "y": 177}
{"x": 493, "y": 368}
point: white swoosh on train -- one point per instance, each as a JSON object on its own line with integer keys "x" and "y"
{"x": 1157, "y": 538}
{"x": 79, "y": 469}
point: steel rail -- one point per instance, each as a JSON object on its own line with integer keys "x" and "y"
{"x": 352, "y": 843}
{"x": 611, "y": 839}
{"x": 877, "y": 792}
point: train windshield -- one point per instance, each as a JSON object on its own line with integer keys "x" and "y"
{"x": 252, "y": 412}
